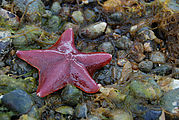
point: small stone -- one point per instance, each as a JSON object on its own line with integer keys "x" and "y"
{"x": 65, "y": 110}
{"x": 157, "y": 57}
{"x": 56, "y": 8}
{"x": 146, "y": 34}
{"x": 123, "y": 43}
{"x": 18, "y": 100}
{"x": 89, "y": 15}
{"x": 145, "y": 87}
{"x": 71, "y": 25}
{"x": 120, "y": 115}
{"x": 71, "y": 95}
{"x": 2, "y": 64}
{"x": 146, "y": 66}
{"x": 162, "y": 70}
{"x": 170, "y": 101}
{"x": 175, "y": 71}
{"x": 54, "y": 23}
{"x": 9, "y": 18}
{"x": 78, "y": 17}
{"x": 94, "y": 30}
{"x": 121, "y": 62}
{"x": 106, "y": 47}
{"x": 47, "y": 14}
{"x": 35, "y": 10}
{"x": 93, "y": 117}
{"x": 117, "y": 16}
{"x": 4, "y": 43}
{"x": 81, "y": 110}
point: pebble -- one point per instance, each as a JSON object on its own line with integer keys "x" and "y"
{"x": 9, "y": 18}
{"x": 18, "y": 100}
{"x": 56, "y": 8}
{"x": 4, "y": 44}
{"x": 71, "y": 25}
{"x": 123, "y": 43}
{"x": 162, "y": 70}
{"x": 78, "y": 17}
{"x": 65, "y": 110}
{"x": 35, "y": 10}
{"x": 54, "y": 23}
{"x": 117, "y": 16}
{"x": 157, "y": 57}
{"x": 145, "y": 87}
{"x": 170, "y": 101}
{"x": 93, "y": 117}
{"x": 120, "y": 115}
{"x": 94, "y": 30}
{"x": 145, "y": 66}
{"x": 106, "y": 47}
{"x": 71, "y": 95}
{"x": 81, "y": 110}
{"x": 90, "y": 15}
{"x": 175, "y": 71}
{"x": 146, "y": 34}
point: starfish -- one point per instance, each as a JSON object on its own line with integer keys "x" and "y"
{"x": 63, "y": 64}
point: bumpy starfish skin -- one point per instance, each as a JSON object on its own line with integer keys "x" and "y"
{"x": 63, "y": 64}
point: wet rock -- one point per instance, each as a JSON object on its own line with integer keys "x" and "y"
{"x": 106, "y": 47}
{"x": 81, "y": 110}
{"x": 139, "y": 108}
{"x": 71, "y": 95}
{"x": 146, "y": 66}
{"x": 18, "y": 100}
{"x": 34, "y": 113}
{"x": 26, "y": 36}
{"x": 26, "y": 117}
{"x": 65, "y": 110}
{"x": 56, "y": 8}
{"x": 94, "y": 30}
{"x": 117, "y": 16}
{"x": 146, "y": 34}
{"x": 175, "y": 71}
{"x": 4, "y": 43}
{"x": 8, "y": 18}
{"x": 120, "y": 115}
{"x": 145, "y": 87}
{"x": 93, "y": 117}
{"x": 6, "y": 115}
{"x": 89, "y": 15}
{"x": 47, "y": 14}
{"x": 78, "y": 17}
{"x": 65, "y": 12}
{"x": 157, "y": 57}
{"x": 54, "y": 23}
{"x": 150, "y": 46}
{"x": 123, "y": 43}
{"x": 162, "y": 70}
{"x": 170, "y": 101}
{"x": 2, "y": 64}
{"x": 35, "y": 10}
{"x": 136, "y": 51}
{"x": 8, "y": 84}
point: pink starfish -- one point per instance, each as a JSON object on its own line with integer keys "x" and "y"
{"x": 63, "y": 64}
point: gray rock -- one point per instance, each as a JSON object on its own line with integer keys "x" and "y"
{"x": 56, "y": 8}
{"x": 150, "y": 46}
{"x": 78, "y": 17}
{"x": 123, "y": 43}
{"x": 4, "y": 43}
{"x": 157, "y": 57}
{"x": 94, "y": 30}
{"x": 175, "y": 71}
{"x": 120, "y": 115}
{"x": 71, "y": 95}
{"x": 93, "y": 117}
{"x": 35, "y": 10}
{"x": 170, "y": 101}
{"x": 89, "y": 15}
{"x": 54, "y": 23}
{"x": 162, "y": 70}
{"x": 9, "y": 18}
{"x": 81, "y": 110}
{"x": 106, "y": 47}
{"x": 145, "y": 66}
{"x": 65, "y": 110}
{"x": 18, "y": 100}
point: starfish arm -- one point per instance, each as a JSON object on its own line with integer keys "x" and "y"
{"x": 93, "y": 61}
{"x": 40, "y": 58}
{"x": 66, "y": 42}
{"x": 53, "y": 78}
{"x": 81, "y": 78}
